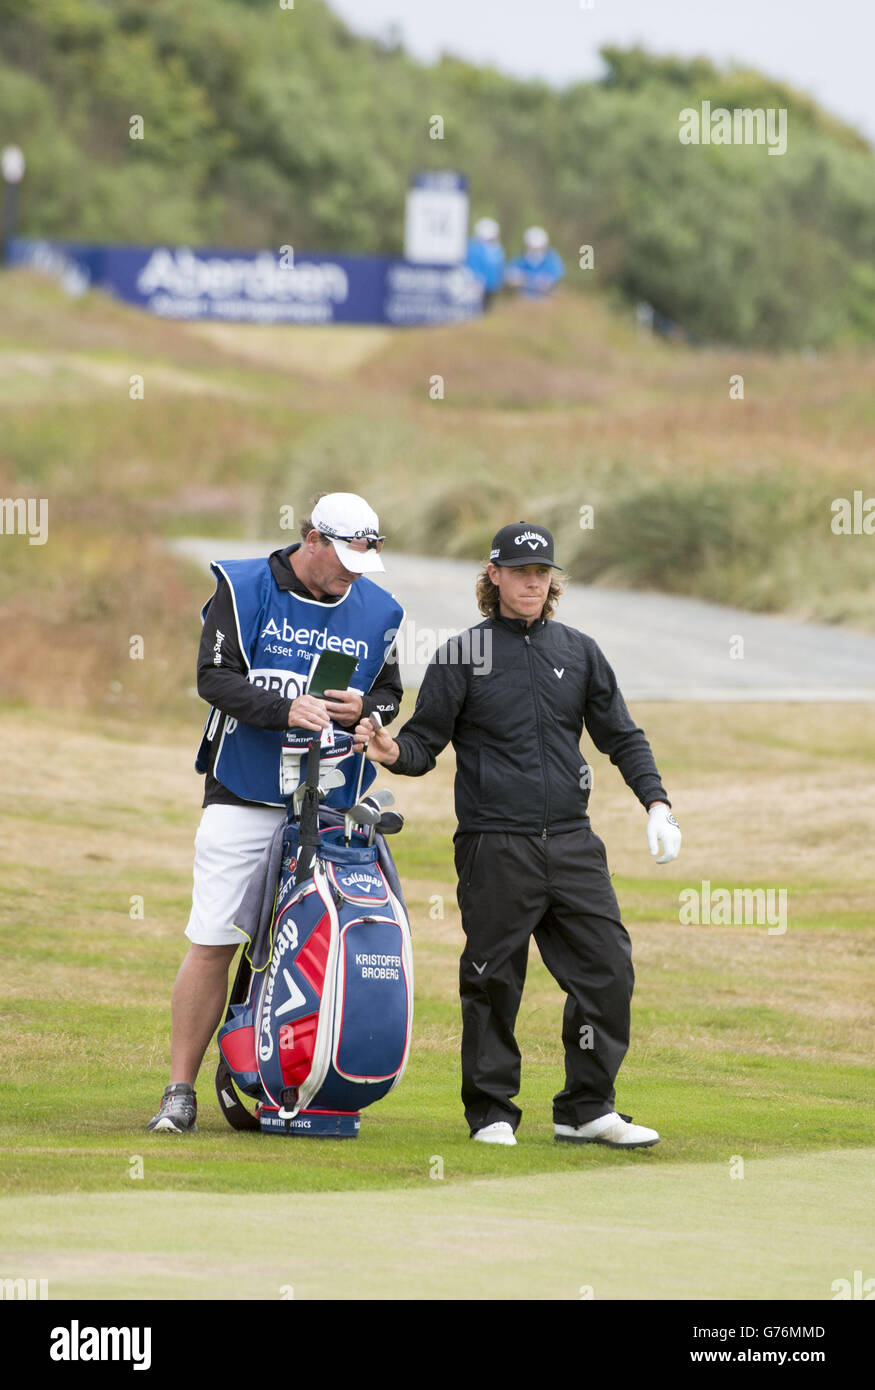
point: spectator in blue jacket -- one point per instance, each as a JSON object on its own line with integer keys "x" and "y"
{"x": 486, "y": 257}
{"x": 538, "y": 269}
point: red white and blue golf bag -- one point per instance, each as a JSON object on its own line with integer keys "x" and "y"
{"x": 323, "y": 1028}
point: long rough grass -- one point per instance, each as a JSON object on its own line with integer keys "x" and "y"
{"x": 546, "y": 409}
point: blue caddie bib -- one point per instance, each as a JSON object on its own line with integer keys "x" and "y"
{"x": 280, "y": 635}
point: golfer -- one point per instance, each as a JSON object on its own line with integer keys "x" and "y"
{"x": 263, "y": 628}
{"x": 527, "y": 859}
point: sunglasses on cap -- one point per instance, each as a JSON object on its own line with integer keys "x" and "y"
{"x": 360, "y": 543}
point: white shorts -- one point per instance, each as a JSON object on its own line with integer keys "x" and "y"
{"x": 229, "y": 843}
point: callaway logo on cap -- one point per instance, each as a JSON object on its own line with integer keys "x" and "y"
{"x": 523, "y": 544}
{"x": 353, "y": 529}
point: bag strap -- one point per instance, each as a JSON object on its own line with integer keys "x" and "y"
{"x": 230, "y": 1104}
{"x": 308, "y": 841}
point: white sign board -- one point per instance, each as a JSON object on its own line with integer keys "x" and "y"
{"x": 436, "y": 224}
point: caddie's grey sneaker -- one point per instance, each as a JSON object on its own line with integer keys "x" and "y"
{"x": 499, "y": 1133}
{"x": 178, "y": 1111}
{"x": 617, "y": 1131}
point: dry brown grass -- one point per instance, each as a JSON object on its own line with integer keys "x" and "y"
{"x": 547, "y": 407}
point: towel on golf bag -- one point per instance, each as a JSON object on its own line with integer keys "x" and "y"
{"x": 326, "y": 1023}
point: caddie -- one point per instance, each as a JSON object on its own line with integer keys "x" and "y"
{"x": 513, "y": 695}
{"x": 263, "y": 628}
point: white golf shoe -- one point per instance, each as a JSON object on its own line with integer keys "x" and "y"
{"x": 617, "y": 1131}
{"x": 499, "y": 1133}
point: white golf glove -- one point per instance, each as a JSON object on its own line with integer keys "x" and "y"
{"x": 661, "y": 825}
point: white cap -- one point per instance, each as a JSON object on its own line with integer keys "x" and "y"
{"x": 536, "y": 239}
{"x": 344, "y": 516}
{"x": 12, "y": 163}
{"x": 487, "y": 229}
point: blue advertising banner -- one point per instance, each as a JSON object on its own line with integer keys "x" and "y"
{"x": 259, "y": 286}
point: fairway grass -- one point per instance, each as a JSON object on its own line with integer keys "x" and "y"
{"x": 626, "y": 1230}
{"x": 751, "y": 1051}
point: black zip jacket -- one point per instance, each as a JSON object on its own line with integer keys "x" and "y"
{"x": 513, "y": 701}
{"x": 229, "y": 689}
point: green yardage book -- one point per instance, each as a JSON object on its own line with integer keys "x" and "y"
{"x": 332, "y": 671}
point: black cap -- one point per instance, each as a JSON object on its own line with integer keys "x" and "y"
{"x": 523, "y": 544}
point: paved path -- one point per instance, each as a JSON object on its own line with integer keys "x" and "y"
{"x": 662, "y": 648}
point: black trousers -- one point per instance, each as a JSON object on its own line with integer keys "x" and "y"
{"x": 512, "y": 887}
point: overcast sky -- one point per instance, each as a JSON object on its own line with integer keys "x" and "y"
{"x": 825, "y": 47}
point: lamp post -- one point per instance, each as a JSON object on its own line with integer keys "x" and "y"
{"x": 12, "y": 166}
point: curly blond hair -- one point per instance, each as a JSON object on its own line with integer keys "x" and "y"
{"x": 487, "y": 594}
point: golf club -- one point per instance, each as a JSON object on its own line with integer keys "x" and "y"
{"x": 347, "y": 832}
{"x": 390, "y": 822}
{"x": 329, "y": 777}
{"x": 360, "y": 814}
{"x": 381, "y": 797}
{"x": 378, "y": 724}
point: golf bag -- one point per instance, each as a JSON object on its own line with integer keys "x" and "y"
{"x": 319, "y": 1027}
